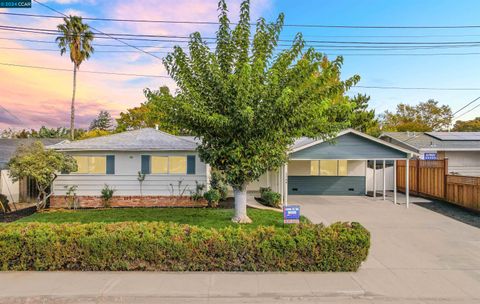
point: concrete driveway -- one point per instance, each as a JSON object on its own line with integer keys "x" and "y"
{"x": 415, "y": 252}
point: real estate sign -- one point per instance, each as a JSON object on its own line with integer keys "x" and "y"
{"x": 291, "y": 214}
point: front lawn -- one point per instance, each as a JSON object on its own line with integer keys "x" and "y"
{"x": 208, "y": 218}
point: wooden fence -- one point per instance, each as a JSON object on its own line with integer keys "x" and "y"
{"x": 430, "y": 178}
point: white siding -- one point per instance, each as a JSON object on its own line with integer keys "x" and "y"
{"x": 9, "y": 188}
{"x": 125, "y": 182}
{"x": 464, "y": 162}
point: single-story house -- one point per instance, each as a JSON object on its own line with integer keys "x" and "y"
{"x": 172, "y": 168}
{"x": 461, "y": 148}
{"x": 23, "y": 190}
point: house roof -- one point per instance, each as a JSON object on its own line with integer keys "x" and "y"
{"x": 304, "y": 142}
{"x": 9, "y": 145}
{"x": 437, "y": 141}
{"x": 147, "y": 139}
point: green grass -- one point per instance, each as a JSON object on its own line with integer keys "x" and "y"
{"x": 209, "y": 218}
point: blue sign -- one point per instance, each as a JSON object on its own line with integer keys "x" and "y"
{"x": 15, "y": 3}
{"x": 430, "y": 156}
{"x": 291, "y": 214}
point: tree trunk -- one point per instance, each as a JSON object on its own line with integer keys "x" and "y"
{"x": 241, "y": 206}
{"x": 72, "y": 109}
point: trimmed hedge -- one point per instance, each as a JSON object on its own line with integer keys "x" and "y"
{"x": 172, "y": 247}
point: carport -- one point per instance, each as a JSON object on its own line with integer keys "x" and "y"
{"x": 339, "y": 166}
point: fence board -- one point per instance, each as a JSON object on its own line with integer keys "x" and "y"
{"x": 429, "y": 178}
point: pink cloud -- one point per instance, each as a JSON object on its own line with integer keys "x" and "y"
{"x": 42, "y": 97}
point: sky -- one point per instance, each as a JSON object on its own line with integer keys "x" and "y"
{"x": 30, "y": 98}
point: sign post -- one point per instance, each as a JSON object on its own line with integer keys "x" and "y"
{"x": 291, "y": 214}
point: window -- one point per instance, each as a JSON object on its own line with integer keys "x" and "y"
{"x": 164, "y": 164}
{"x": 314, "y": 167}
{"x": 91, "y": 164}
{"x": 342, "y": 167}
{"x": 159, "y": 164}
{"x": 178, "y": 165}
{"x": 329, "y": 167}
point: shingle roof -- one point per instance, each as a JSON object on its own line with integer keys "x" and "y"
{"x": 432, "y": 141}
{"x": 9, "y": 145}
{"x": 147, "y": 139}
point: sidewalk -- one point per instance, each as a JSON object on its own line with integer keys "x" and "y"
{"x": 366, "y": 286}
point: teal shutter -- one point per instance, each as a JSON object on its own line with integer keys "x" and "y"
{"x": 110, "y": 164}
{"x": 145, "y": 164}
{"x": 190, "y": 164}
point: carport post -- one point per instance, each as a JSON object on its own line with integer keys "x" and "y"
{"x": 366, "y": 177}
{"x": 407, "y": 192}
{"x": 395, "y": 182}
{"x": 374, "y": 178}
{"x": 383, "y": 173}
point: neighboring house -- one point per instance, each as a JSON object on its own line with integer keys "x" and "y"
{"x": 170, "y": 163}
{"x": 461, "y": 148}
{"x": 23, "y": 190}
{"x": 315, "y": 167}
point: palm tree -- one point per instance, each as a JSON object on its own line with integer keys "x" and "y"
{"x": 77, "y": 38}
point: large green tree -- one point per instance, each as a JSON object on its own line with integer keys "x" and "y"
{"x": 467, "y": 125}
{"x": 40, "y": 164}
{"x": 249, "y": 103}
{"x": 150, "y": 113}
{"x": 76, "y": 37}
{"x": 102, "y": 122}
{"x": 423, "y": 117}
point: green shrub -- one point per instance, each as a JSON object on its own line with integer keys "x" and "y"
{"x": 213, "y": 197}
{"x": 106, "y": 195}
{"x": 4, "y": 207}
{"x": 270, "y": 198}
{"x": 218, "y": 182}
{"x": 172, "y": 247}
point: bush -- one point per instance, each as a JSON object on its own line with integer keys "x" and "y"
{"x": 217, "y": 182}
{"x": 269, "y": 197}
{"x": 106, "y": 195}
{"x": 4, "y": 207}
{"x": 213, "y": 197}
{"x": 172, "y": 247}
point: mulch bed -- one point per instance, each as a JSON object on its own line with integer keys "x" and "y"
{"x": 229, "y": 203}
{"x": 16, "y": 215}
{"x": 456, "y": 212}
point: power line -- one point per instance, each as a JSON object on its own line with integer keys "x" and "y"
{"x": 285, "y": 25}
{"x": 119, "y": 40}
{"x": 466, "y": 105}
{"x": 328, "y": 54}
{"x": 416, "y": 88}
{"x": 80, "y": 71}
{"x": 330, "y": 47}
{"x": 10, "y": 113}
{"x": 468, "y": 111}
{"x": 161, "y": 76}
{"x": 121, "y": 35}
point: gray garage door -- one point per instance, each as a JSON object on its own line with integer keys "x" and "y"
{"x": 326, "y": 185}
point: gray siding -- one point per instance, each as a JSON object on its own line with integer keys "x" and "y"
{"x": 348, "y": 146}
{"x": 128, "y": 185}
{"x": 326, "y": 185}
{"x": 125, "y": 180}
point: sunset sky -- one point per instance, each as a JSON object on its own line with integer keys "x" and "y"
{"x": 30, "y": 98}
